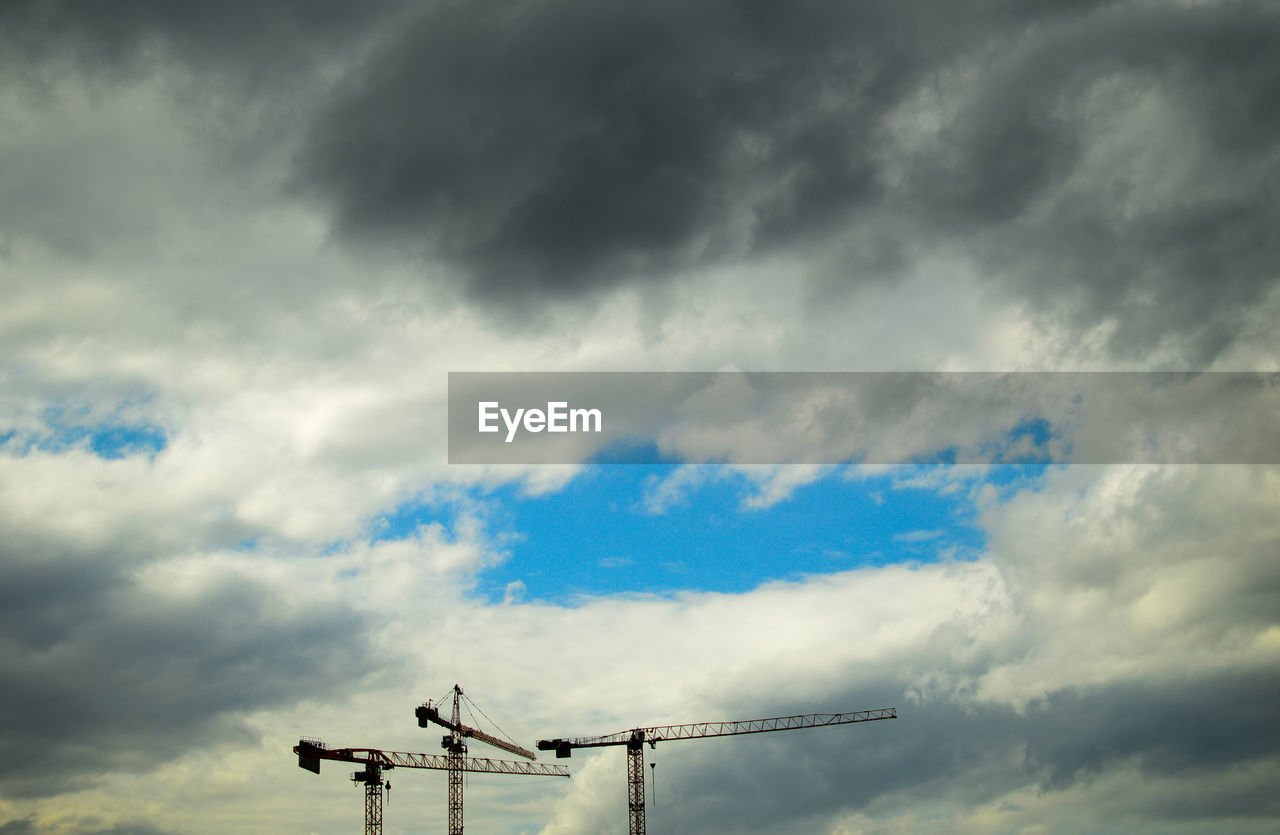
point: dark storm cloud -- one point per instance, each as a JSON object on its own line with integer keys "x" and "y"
{"x": 548, "y": 149}
{"x": 30, "y": 824}
{"x": 100, "y": 673}
{"x": 1184, "y": 266}
{"x": 238, "y": 34}
{"x": 552, "y": 147}
{"x": 971, "y": 755}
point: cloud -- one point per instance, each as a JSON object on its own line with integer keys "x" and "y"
{"x": 267, "y": 37}
{"x": 913, "y": 537}
{"x": 269, "y": 231}
{"x": 1115, "y": 609}
{"x": 1030, "y": 684}
{"x": 1093, "y": 168}
{"x": 555, "y": 149}
{"x": 83, "y": 827}
{"x": 514, "y": 592}
{"x": 102, "y": 673}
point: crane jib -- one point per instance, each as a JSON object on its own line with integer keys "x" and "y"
{"x": 310, "y": 754}
{"x": 702, "y": 730}
{"x": 635, "y": 739}
{"x": 428, "y": 713}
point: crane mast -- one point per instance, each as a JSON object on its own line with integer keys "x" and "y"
{"x": 455, "y": 746}
{"x": 635, "y": 784}
{"x": 373, "y": 789}
{"x": 635, "y": 739}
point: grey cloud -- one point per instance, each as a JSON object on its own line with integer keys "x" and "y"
{"x": 258, "y": 37}
{"x": 546, "y": 151}
{"x": 1201, "y": 737}
{"x": 40, "y": 602}
{"x": 553, "y": 148}
{"x": 101, "y": 674}
{"x": 1181, "y": 266}
{"x": 1173, "y": 727}
{"x": 31, "y": 824}
{"x": 969, "y": 755}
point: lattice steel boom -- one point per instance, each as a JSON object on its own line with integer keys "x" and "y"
{"x": 400, "y": 759}
{"x": 311, "y": 751}
{"x": 703, "y": 730}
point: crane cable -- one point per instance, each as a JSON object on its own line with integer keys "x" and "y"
{"x": 486, "y": 716}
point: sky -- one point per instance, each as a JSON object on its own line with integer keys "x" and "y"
{"x": 243, "y": 245}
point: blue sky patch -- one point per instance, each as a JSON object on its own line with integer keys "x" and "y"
{"x": 68, "y": 428}
{"x": 597, "y": 535}
{"x": 109, "y": 441}
{"x": 658, "y": 528}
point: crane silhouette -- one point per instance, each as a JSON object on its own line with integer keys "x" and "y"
{"x": 455, "y": 746}
{"x": 636, "y": 738}
{"x": 376, "y": 761}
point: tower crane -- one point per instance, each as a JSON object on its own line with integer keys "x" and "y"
{"x": 375, "y": 761}
{"x": 636, "y": 738}
{"x": 455, "y": 746}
